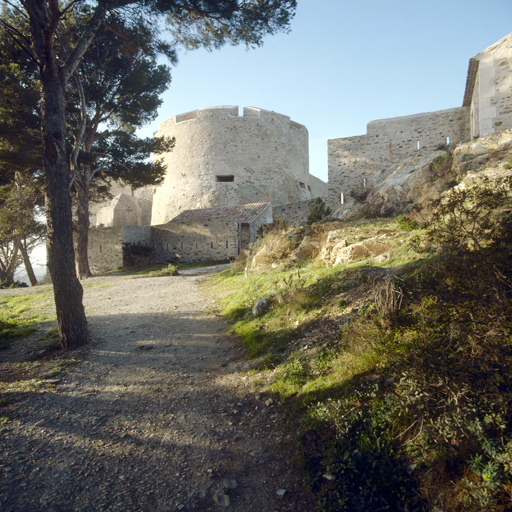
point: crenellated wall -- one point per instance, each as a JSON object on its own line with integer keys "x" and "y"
{"x": 356, "y": 162}
{"x": 222, "y": 158}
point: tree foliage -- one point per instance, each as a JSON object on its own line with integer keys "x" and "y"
{"x": 194, "y": 23}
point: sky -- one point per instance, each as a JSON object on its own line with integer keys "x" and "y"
{"x": 344, "y": 64}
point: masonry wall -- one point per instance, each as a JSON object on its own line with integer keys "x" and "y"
{"x": 295, "y": 214}
{"x": 207, "y": 239}
{"x": 265, "y": 154}
{"x": 265, "y": 217}
{"x": 491, "y": 104}
{"x": 105, "y": 249}
{"x": 356, "y": 162}
{"x": 318, "y": 187}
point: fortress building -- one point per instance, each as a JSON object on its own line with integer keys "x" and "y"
{"x": 221, "y": 159}
{"x": 225, "y": 159}
{"x": 357, "y": 162}
{"x": 231, "y": 171}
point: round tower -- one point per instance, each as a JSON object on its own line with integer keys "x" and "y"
{"x": 222, "y": 158}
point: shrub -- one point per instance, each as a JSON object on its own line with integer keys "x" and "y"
{"x": 276, "y": 225}
{"x": 318, "y": 211}
{"x": 170, "y": 270}
{"x": 12, "y": 284}
{"x": 359, "y": 195}
{"x": 406, "y": 223}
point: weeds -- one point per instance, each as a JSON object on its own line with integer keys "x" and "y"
{"x": 407, "y": 404}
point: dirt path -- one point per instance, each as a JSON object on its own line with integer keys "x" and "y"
{"x": 159, "y": 416}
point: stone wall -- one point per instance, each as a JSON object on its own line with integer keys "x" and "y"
{"x": 491, "y": 98}
{"x": 355, "y": 163}
{"x": 318, "y": 187}
{"x": 207, "y": 239}
{"x": 105, "y": 249}
{"x": 223, "y": 159}
{"x": 128, "y": 206}
{"x": 295, "y": 214}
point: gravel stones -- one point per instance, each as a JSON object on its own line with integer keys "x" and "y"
{"x": 124, "y": 431}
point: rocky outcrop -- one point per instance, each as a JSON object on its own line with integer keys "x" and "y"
{"x": 338, "y": 248}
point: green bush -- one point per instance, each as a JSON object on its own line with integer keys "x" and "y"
{"x": 405, "y": 223}
{"x": 318, "y": 211}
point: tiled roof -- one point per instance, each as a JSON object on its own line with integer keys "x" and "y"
{"x": 243, "y": 213}
{"x": 470, "y": 82}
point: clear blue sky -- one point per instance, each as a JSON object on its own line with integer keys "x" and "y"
{"x": 344, "y": 64}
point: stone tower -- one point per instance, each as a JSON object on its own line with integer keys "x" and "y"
{"x": 222, "y": 158}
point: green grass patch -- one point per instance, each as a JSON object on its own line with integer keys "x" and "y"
{"x": 409, "y": 408}
{"x": 20, "y": 314}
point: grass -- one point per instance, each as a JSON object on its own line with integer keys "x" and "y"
{"x": 21, "y": 314}
{"x": 409, "y": 410}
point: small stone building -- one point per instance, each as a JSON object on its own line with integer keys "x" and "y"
{"x": 211, "y": 233}
{"x": 194, "y": 235}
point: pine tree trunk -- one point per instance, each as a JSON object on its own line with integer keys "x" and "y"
{"x": 61, "y": 259}
{"x": 82, "y": 235}
{"x": 28, "y": 265}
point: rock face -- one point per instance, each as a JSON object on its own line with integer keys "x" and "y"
{"x": 338, "y": 249}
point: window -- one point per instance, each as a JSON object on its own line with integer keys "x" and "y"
{"x": 342, "y": 198}
{"x": 226, "y": 244}
{"x": 225, "y": 179}
{"x": 302, "y": 185}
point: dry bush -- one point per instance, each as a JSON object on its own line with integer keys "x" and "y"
{"x": 273, "y": 247}
{"x": 387, "y": 297}
{"x": 243, "y": 260}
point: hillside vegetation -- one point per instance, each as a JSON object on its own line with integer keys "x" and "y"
{"x": 388, "y": 343}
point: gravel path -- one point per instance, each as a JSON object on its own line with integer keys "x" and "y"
{"x": 159, "y": 416}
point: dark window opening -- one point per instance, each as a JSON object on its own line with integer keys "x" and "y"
{"x": 225, "y": 179}
{"x": 302, "y": 185}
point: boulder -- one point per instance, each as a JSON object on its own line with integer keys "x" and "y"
{"x": 260, "y": 307}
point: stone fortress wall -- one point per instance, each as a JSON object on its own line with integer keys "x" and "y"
{"x": 489, "y": 89}
{"x": 105, "y": 247}
{"x": 222, "y": 158}
{"x": 356, "y": 162}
